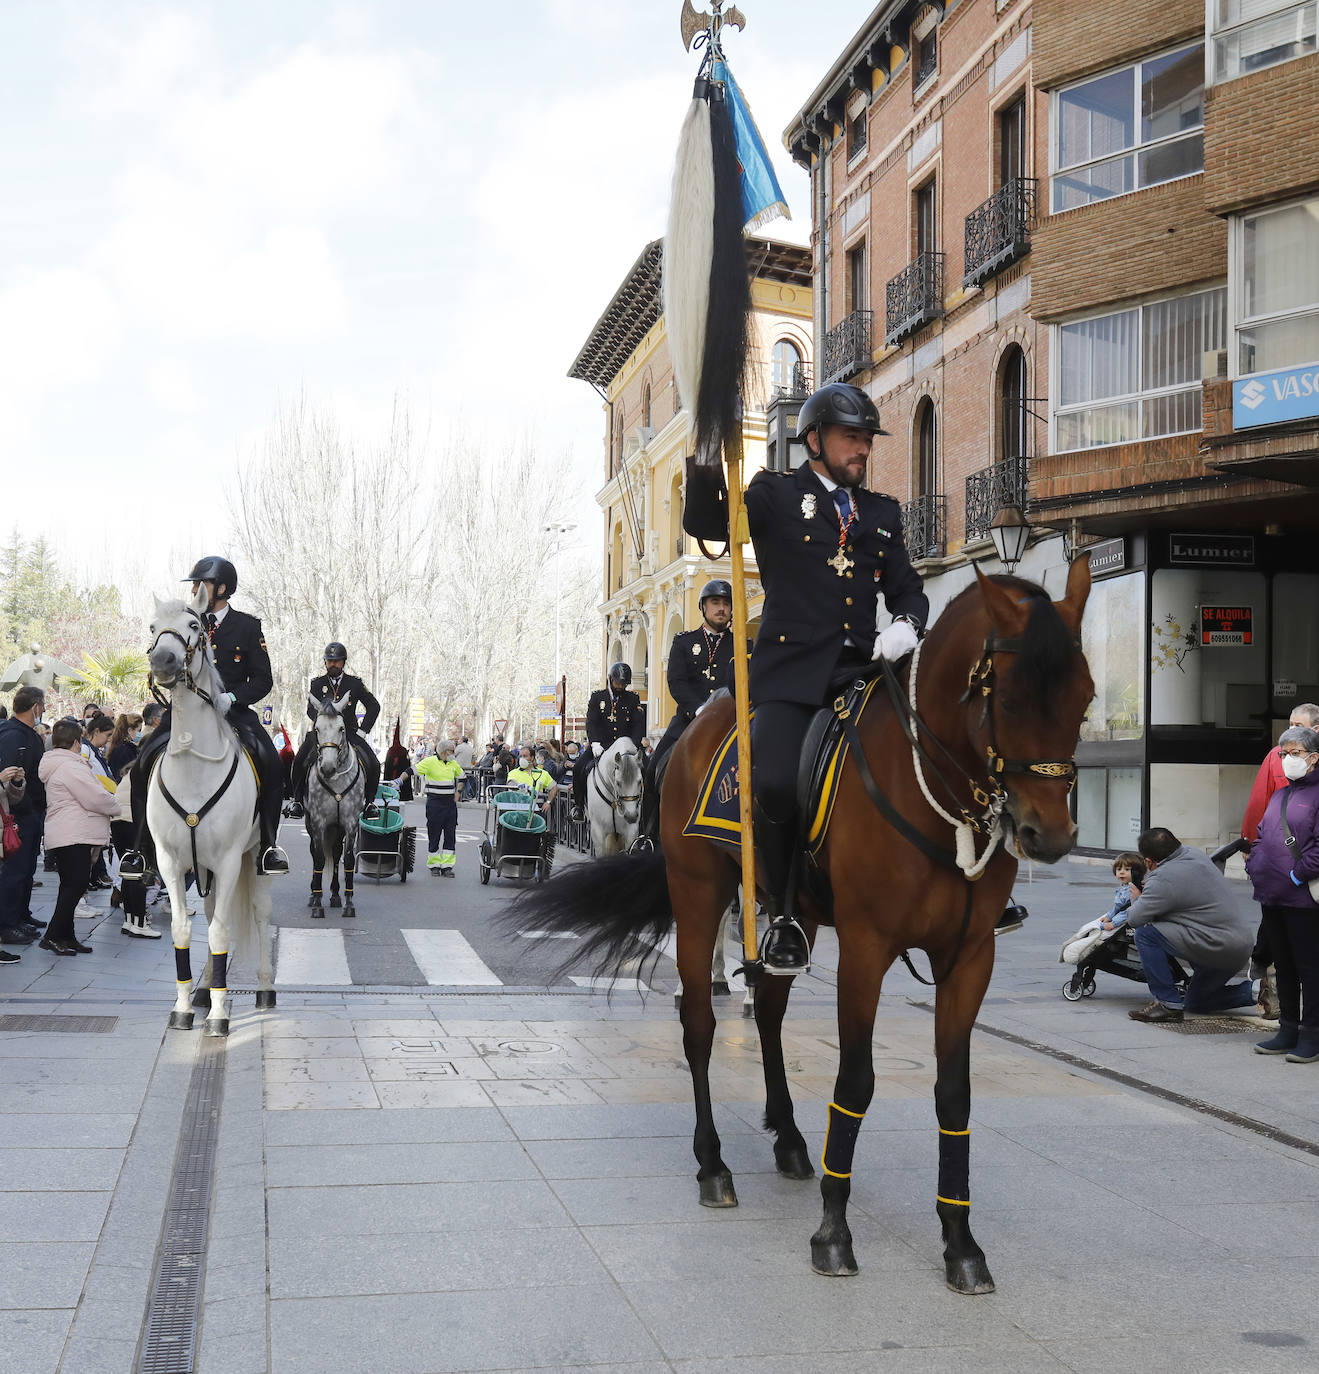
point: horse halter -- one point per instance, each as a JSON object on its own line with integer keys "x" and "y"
{"x": 981, "y": 678}
{"x": 189, "y": 650}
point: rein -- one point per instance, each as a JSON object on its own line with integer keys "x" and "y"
{"x": 357, "y": 772}
{"x": 189, "y": 649}
{"x": 612, "y": 800}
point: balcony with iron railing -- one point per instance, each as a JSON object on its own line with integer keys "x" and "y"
{"x": 925, "y": 526}
{"x": 798, "y": 386}
{"x": 992, "y": 488}
{"x": 998, "y": 232}
{"x": 914, "y": 297}
{"x": 847, "y": 347}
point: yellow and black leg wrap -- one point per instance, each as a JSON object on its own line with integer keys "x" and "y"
{"x": 955, "y": 1167}
{"x": 220, "y": 972}
{"x": 840, "y": 1141}
{"x": 182, "y": 965}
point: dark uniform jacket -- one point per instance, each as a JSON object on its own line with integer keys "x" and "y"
{"x": 611, "y": 715}
{"x": 347, "y": 686}
{"x": 693, "y": 674}
{"x": 239, "y": 650}
{"x": 811, "y": 607}
{"x": 23, "y": 746}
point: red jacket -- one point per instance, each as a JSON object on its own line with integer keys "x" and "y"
{"x": 1267, "y": 781}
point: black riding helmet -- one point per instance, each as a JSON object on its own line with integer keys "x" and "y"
{"x": 621, "y": 674}
{"x": 715, "y": 587}
{"x": 335, "y": 652}
{"x": 838, "y": 404}
{"x": 217, "y": 570}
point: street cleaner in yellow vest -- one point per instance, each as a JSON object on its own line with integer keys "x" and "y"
{"x": 526, "y": 774}
{"x": 441, "y": 775}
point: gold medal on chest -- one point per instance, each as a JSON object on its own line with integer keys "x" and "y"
{"x": 808, "y": 505}
{"x": 840, "y": 563}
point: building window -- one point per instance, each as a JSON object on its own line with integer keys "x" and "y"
{"x": 858, "y": 292}
{"x": 925, "y": 217}
{"x": 1275, "y": 261}
{"x": 1012, "y": 142}
{"x": 1128, "y": 129}
{"x": 645, "y": 405}
{"x": 1012, "y": 404}
{"x": 784, "y": 359}
{"x": 1251, "y": 34}
{"x": 927, "y": 450}
{"x": 1134, "y": 374}
{"x": 925, "y": 57}
{"x": 856, "y": 134}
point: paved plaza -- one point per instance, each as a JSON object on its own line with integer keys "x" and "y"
{"x": 439, "y": 1178}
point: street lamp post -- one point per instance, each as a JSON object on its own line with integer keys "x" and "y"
{"x": 558, "y": 529}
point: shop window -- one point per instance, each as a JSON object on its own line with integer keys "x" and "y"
{"x": 1275, "y": 268}
{"x": 1113, "y": 637}
{"x": 1134, "y": 374}
{"x": 1295, "y": 642}
{"x": 1127, "y": 129}
{"x": 1251, "y": 34}
{"x": 1108, "y": 811}
{"x": 1225, "y": 685}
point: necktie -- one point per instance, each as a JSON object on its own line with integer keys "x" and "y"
{"x": 844, "y": 504}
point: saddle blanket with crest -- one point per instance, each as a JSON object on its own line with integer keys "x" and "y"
{"x": 716, "y": 814}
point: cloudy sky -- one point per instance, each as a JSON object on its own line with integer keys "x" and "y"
{"x": 209, "y": 209}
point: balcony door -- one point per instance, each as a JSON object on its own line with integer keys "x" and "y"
{"x": 858, "y": 294}
{"x": 1012, "y": 142}
{"x": 927, "y": 227}
{"x": 927, "y": 451}
{"x": 1012, "y": 403}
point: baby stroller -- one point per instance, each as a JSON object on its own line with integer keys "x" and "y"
{"x": 1095, "y": 950}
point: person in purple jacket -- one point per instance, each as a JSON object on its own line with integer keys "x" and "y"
{"x": 1281, "y": 869}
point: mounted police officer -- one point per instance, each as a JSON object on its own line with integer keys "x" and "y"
{"x": 239, "y": 650}
{"x": 611, "y": 713}
{"x": 334, "y": 685}
{"x": 826, "y": 549}
{"x": 700, "y": 662}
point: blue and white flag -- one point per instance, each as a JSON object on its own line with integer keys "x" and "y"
{"x": 762, "y": 197}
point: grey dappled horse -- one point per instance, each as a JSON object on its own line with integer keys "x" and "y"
{"x": 336, "y": 794}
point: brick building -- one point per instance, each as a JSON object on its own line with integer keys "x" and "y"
{"x": 1073, "y": 254}
{"x": 1176, "y": 267}
{"x": 652, "y": 572}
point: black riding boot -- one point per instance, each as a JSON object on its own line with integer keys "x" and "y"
{"x": 785, "y": 949}
{"x": 273, "y": 862}
{"x": 580, "y": 772}
{"x": 371, "y": 772}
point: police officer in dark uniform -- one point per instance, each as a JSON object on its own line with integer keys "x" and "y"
{"x": 611, "y": 713}
{"x": 700, "y": 662}
{"x": 826, "y": 549}
{"x": 335, "y": 684}
{"x": 239, "y": 650}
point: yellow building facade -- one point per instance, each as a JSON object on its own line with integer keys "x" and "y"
{"x": 651, "y": 571}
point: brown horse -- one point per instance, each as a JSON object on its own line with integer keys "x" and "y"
{"x": 992, "y": 725}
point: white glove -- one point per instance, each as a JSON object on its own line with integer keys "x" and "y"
{"x": 597, "y": 748}
{"x": 895, "y": 640}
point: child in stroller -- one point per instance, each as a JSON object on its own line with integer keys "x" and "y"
{"x": 1104, "y": 944}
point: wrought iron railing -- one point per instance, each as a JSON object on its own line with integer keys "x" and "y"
{"x": 998, "y": 232}
{"x": 926, "y": 64}
{"x": 925, "y": 526}
{"x": 847, "y": 347}
{"x": 798, "y": 386}
{"x": 914, "y": 297}
{"x": 989, "y": 490}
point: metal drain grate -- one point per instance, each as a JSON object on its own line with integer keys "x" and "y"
{"x": 80, "y": 1025}
{"x": 169, "y": 1337}
{"x": 1217, "y": 1025}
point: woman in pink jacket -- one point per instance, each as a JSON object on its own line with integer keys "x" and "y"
{"x": 78, "y": 812}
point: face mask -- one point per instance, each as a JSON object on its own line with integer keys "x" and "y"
{"x": 524, "y": 763}
{"x": 1295, "y": 766}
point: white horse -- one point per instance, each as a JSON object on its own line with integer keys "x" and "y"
{"x": 336, "y": 794}
{"x": 613, "y": 798}
{"x": 201, "y": 810}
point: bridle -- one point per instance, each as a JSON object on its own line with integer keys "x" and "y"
{"x": 613, "y": 801}
{"x": 338, "y": 747}
{"x": 190, "y": 649}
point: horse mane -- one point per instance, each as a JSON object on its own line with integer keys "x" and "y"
{"x": 1047, "y": 644}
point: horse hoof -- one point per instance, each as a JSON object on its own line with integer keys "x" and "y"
{"x": 793, "y": 1162}
{"x": 265, "y": 1000}
{"x": 180, "y": 1020}
{"x": 717, "y": 1190}
{"x": 719, "y": 988}
{"x": 217, "y": 1027}
{"x": 833, "y": 1258}
{"x": 349, "y": 910}
{"x": 335, "y": 903}
{"x": 318, "y": 913}
{"x": 969, "y": 1275}
{"x": 314, "y": 900}
{"x": 201, "y": 997}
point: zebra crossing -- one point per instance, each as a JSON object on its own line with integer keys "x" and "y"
{"x": 441, "y": 958}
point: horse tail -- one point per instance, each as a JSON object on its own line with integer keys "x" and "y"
{"x": 619, "y": 907}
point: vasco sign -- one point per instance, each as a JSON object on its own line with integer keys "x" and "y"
{"x": 1269, "y": 398}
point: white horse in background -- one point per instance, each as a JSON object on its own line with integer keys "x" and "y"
{"x": 202, "y": 813}
{"x": 613, "y": 798}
